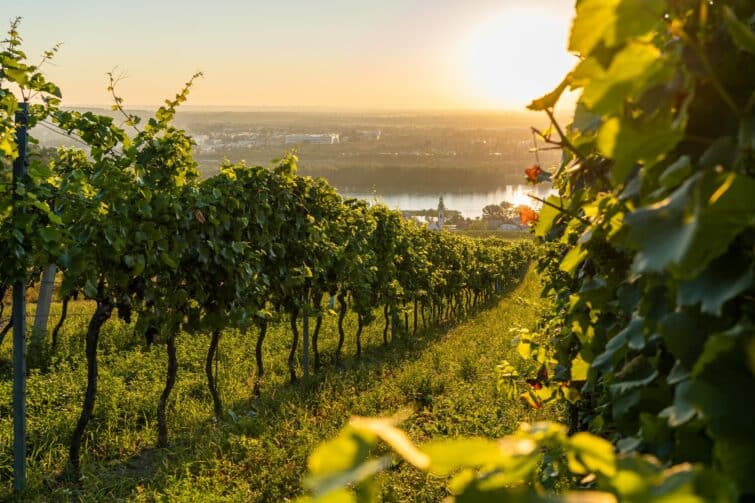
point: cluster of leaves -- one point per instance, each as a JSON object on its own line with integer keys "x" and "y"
{"x": 650, "y": 240}
{"x": 31, "y": 230}
{"x": 132, "y": 227}
{"x": 518, "y": 468}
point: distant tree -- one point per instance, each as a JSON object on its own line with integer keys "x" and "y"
{"x": 505, "y": 212}
{"x": 477, "y": 225}
{"x": 510, "y": 212}
{"x": 493, "y": 212}
{"x": 454, "y": 217}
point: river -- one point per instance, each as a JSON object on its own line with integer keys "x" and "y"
{"x": 470, "y": 204}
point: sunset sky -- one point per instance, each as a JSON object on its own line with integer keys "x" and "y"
{"x": 389, "y": 54}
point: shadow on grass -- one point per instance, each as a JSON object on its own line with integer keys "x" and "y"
{"x": 306, "y": 392}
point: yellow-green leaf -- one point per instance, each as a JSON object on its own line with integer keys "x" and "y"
{"x": 612, "y": 22}
{"x": 449, "y": 455}
{"x": 386, "y": 430}
{"x": 593, "y": 453}
{"x": 550, "y": 99}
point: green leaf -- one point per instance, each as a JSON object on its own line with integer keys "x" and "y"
{"x": 737, "y": 459}
{"x": 8, "y": 146}
{"x": 573, "y": 258}
{"x": 621, "y": 404}
{"x": 332, "y": 484}
{"x": 90, "y": 289}
{"x": 683, "y": 336}
{"x": 634, "y": 329}
{"x": 740, "y": 33}
{"x": 633, "y": 70}
{"x": 138, "y": 265}
{"x": 169, "y": 260}
{"x": 686, "y": 232}
{"x": 676, "y": 173}
{"x": 547, "y": 216}
{"x": 395, "y": 438}
{"x": 52, "y": 89}
{"x": 346, "y": 452}
{"x": 550, "y": 99}
{"x": 579, "y": 369}
{"x": 449, "y": 455}
{"x": 722, "y": 152}
{"x": 20, "y": 77}
{"x": 612, "y": 22}
{"x": 337, "y": 496}
{"x": 629, "y": 142}
{"x": 591, "y": 454}
{"x": 625, "y": 386}
{"x": 718, "y": 345}
{"x": 590, "y": 24}
{"x": 724, "y": 279}
{"x": 682, "y": 409}
{"x": 49, "y": 235}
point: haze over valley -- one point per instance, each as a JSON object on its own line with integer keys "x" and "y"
{"x": 405, "y": 159}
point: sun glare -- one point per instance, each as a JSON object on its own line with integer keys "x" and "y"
{"x": 516, "y": 56}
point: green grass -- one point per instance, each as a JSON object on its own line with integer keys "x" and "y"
{"x": 481, "y": 234}
{"x": 443, "y": 380}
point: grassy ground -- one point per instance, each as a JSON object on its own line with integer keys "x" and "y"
{"x": 510, "y": 235}
{"x": 443, "y": 379}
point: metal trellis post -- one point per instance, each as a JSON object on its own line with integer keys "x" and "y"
{"x": 19, "y": 323}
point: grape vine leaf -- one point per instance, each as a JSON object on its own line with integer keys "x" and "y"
{"x": 612, "y": 22}
{"x": 740, "y": 33}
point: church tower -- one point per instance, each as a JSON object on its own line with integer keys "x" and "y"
{"x": 441, "y": 214}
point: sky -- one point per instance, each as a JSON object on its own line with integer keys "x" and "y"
{"x": 340, "y": 54}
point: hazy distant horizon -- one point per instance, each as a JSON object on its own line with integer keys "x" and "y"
{"x": 318, "y": 109}
{"x": 330, "y": 55}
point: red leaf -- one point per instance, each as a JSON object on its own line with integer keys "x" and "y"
{"x": 536, "y": 384}
{"x": 531, "y": 400}
{"x": 527, "y": 215}
{"x": 533, "y": 173}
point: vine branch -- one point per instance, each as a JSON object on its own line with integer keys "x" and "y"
{"x": 559, "y": 208}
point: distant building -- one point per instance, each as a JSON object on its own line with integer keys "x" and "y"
{"x": 510, "y": 227}
{"x": 314, "y": 139}
{"x": 439, "y": 223}
{"x": 371, "y": 135}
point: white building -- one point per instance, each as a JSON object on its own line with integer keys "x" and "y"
{"x": 371, "y": 135}
{"x": 314, "y": 139}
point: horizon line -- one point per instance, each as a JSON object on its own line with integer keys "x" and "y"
{"x": 317, "y": 108}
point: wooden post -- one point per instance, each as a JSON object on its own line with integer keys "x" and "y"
{"x": 394, "y": 321}
{"x": 45, "y": 298}
{"x": 305, "y": 342}
{"x": 42, "y": 314}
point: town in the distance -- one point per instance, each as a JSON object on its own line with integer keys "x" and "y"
{"x": 407, "y": 160}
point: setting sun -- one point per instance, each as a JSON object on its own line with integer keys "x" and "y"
{"x": 515, "y": 56}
